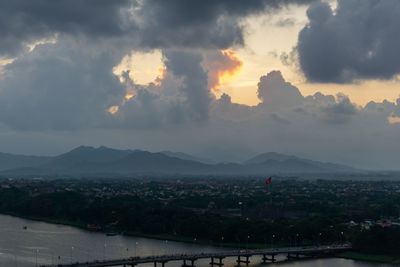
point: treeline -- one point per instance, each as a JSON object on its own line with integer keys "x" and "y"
{"x": 129, "y": 214}
{"x": 378, "y": 240}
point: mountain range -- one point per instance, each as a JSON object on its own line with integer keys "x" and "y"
{"x": 91, "y": 161}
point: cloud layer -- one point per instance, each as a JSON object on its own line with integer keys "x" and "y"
{"x": 59, "y": 88}
{"x": 145, "y": 24}
{"x": 358, "y": 40}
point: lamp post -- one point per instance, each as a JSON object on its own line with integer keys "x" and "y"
{"x": 247, "y": 243}
{"x": 319, "y": 239}
{"x": 70, "y": 254}
{"x": 272, "y": 241}
{"x": 16, "y": 258}
{"x": 36, "y": 256}
{"x": 104, "y": 250}
{"x": 136, "y": 243}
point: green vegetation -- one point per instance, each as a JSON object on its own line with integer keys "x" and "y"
{"x": 370, "y": 257}
{"x": 237, "y": 213}
{"x": 129, "y": 214}
{"x": 378, "y": 240}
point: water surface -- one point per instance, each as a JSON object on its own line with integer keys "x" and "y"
{"x": 44, "y": 243}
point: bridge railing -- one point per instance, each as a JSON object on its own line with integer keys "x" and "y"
{"x": 221, "y": 254}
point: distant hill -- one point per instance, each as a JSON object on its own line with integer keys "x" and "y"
{"x": 276, "y": 162}
{"x": 11, "y": 161}
{"x": 185, "y": 156}
{"x": 86, "y": 155}
{"x": 86, "y": 160}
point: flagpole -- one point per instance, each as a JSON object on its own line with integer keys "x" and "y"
{"x": 268, "y": 183}
{"x": 270, "y": 194}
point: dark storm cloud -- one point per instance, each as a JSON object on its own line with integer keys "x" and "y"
{"x": 201, "y": 23}
{"x": 57, "y": 94}
{"x": 340, "y": 111}
{"x": 58, "y": 87}
{"x": 181, "y": 97}
{"x": 145, "y": 24}
{"x": 187, "y": 66}
{"x": 275, "y": 92}
{"x": 359, "y": 40}
{"x": 24, "y": 22}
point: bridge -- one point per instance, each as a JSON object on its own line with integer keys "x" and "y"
{"x": 216, "y": 258}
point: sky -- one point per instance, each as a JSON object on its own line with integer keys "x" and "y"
{"x": 224, "y": 79}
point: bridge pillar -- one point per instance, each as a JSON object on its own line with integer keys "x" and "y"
{"x": 293, "y": 256}
{"x": 246, "y": 261}
{"x": 266, "y": 259}
{"x": 219, "y": 263}
{"x": 162, "y": 263}
{"x": 190, "y": 264}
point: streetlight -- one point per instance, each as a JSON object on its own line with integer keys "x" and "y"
{"x": 240, "y": 206}
{"x": 16, "y": 258}
{"x": 104, "y": 250}
{"x": 295, "y": 240}
{"x": 36, "y": 256}
{"x": 71, "y": 251}
{"x": 136, "y": 243}
{"x": 272, "y": 241}
{"x": 319, "y": 239}
{"x": 247, "y": 243}
{"x": 121, "y": 247}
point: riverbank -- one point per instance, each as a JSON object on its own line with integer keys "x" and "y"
{"x": 169, "y": 237}
{"x": 346, "y": 255}
{"x": 370, "y": 257}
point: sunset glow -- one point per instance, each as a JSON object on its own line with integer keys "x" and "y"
{"x": 113, "y": 109}
{"x": 226, "y": 75}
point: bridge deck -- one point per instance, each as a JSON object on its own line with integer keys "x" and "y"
{"x": 234, "y": 253}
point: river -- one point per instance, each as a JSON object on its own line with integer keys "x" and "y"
{"x": 44, "y": 243}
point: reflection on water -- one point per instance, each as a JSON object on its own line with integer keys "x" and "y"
{"x": 44, "y": 243}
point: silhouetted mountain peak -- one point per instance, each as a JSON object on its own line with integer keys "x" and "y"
{"x": 88, "y": 160}
{"x": 261, "y": 158}
{"x": 181, "y": 155}
{"x": 288, "y": 163}
{"x": 90, "y": 154}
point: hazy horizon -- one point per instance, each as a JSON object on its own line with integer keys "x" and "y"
{"x": 225, "y": 80}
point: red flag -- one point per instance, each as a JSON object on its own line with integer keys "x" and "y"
{"x": 268, "y": 181}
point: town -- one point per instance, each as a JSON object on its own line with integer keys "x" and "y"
{"x": 244, "y": 212}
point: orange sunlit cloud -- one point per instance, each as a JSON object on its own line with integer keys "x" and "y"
{"x": 129, "y": 95}
{"x": 113, "y": 109}
{"x": 222, "y": 66}
{"x": 162, "y": 72}
{"x": 394, "y": 119}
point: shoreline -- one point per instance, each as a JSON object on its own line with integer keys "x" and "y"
{"x": 358, "y": 256}
{"x": 169, "y": 237}
{"x": 375, "y": 258}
